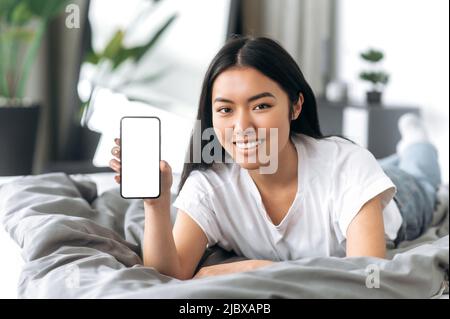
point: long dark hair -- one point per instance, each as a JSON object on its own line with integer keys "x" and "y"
{"x": 268, "y": 57}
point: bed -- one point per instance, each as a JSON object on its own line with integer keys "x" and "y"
{"x": 10, "y": 270}
{"x": 73, "y": 236}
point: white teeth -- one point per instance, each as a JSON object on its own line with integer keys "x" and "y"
{"x": 248, "y": 145}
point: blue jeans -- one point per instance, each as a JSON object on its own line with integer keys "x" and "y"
{"x": 417, "y": 176}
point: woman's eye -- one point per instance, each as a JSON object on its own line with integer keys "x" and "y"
{"x": 262, "y": 106}
{"x": 224, "y": 110}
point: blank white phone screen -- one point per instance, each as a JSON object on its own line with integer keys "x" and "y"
{"x": 140, "y": 155}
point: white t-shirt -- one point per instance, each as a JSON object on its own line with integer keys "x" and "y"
{"x": 335, "y": 179}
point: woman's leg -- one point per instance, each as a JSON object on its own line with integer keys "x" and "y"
{"x": 416, "y": 173}
{"x": 421, "y": 161}
{"x": 412, "y": 201}
{"x": 417, "y": 156}
{"x": 391, "y": 160}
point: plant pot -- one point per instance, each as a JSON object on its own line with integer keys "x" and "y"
{"x": 89, "y": 143}
{"x": 81, "y": 145}
{"x": 373, "y": 97}
{"x": 78, "y": 153}
{"x": 18, "y": 135}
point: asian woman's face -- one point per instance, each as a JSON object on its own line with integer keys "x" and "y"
{"x": 251, "y": 116}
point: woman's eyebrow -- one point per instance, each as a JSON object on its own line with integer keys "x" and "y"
{"x": 250, "y": 99}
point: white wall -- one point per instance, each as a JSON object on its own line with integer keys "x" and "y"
{"x": 414, "y": 37}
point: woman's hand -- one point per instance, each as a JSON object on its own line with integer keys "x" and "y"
{"x": 166, "y": 178}
{"x": 233, "y": 267}
{"x": 166, "y": 184}
{"x": 115, "y": 162}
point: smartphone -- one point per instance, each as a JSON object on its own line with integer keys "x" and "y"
{"x": 140, "y": 154}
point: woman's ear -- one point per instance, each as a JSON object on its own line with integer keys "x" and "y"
{"x": 297, "y": 107}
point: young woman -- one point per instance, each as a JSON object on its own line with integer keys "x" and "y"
{"x": 326, "y": 197}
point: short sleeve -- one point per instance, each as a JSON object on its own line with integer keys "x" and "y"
{"x": 358, "y": 177}
{"x": 195, "y": 200}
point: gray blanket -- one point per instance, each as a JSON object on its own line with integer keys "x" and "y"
{"x": 78, "y": 245}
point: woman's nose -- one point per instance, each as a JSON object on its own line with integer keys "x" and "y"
{"x": 243, "y": 122}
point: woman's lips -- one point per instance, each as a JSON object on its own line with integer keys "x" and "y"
{"x": 248, "y": 145}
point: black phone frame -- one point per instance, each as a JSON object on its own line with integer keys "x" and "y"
{"x": 159, "y": 167}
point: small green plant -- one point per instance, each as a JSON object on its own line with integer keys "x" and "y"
{"x": 375, "y": 76}
{"x": 22, "y": 26}
{"x": 112, "y": 57}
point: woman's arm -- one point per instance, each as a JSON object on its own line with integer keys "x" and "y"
{"x": 174, "y": 252}
{"x": 159, "y": 250}
{"x": 365, "y": 234}
{"x": 233, "y": 267}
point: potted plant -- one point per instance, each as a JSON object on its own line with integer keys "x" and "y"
{"x": 113, "y": 68}
{"x": 375, "y": 76}
{"x": 22, "y": 27}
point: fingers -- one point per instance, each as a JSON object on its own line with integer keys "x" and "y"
{"x": 166, "y": 172}
{"x": 115, "y": 151}
{"x": 115, "y": 165}
{"x": 165, "y": 167}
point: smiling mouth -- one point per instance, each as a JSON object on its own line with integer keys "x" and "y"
{"x": 248, "y": 145}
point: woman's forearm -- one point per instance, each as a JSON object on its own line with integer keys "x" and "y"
{"x": 233, "y": 267}
{"x": 159, "y": 250}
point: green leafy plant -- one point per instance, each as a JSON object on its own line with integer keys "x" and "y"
{"x": 117, "y": 53}
{"x": 375, "y": 76}
{"x": 113, "y": 56}
{"x": 22, "y": 26}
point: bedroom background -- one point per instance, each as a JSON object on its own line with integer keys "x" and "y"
{"x": 324, "y": 36}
